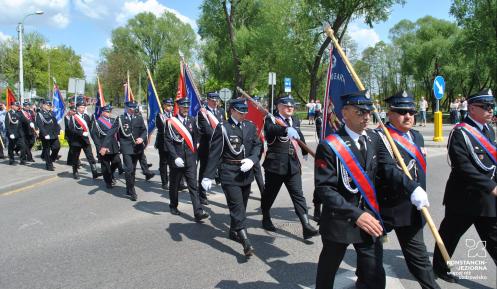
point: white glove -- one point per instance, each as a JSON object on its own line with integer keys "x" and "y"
{"x": 12, "y": 136}
{"x": 206, "y": 184}
{"x": 47, "y": 137}
{"x": 419, "y": 198}
{"x": 305, "y": 157}
{"x": 179, "y": 162}
{"x": 85, "y": 134}
{"x": 32, "y": 125}
{"x": 247, "y": 164}
{"x": 292, "y": 133}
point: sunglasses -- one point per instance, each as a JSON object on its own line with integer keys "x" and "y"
{"x": 404, "y": 112}
{"x": 486, "y": 106}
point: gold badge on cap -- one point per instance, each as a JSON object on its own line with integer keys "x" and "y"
{"x": 404, "y": 94}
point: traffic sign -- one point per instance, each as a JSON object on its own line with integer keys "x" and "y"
{"x": 272, "y": 78}
{"x": 288, "y": 84}
{"x": 439, "y": 87}
{"x": 225, "y": 94}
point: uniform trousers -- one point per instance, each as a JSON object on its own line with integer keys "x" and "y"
{"x": 130, "y": 161}
{"x": 163, "y": 155}
{"x": 272, "y": 186}
{"x": 452, "y": 228}
{"x": 50, "y": 145}
{"x": 237, "y": 198}
{"x": 109, "y": 163}
{"x": 17, "y": 143}
{"x": 190, "y": 174}
{"x": 202, "y": 160}
{"x": 258, "y": 176}
{"x": 30, "y": 142}
{"x": 76, "y": 151}
{"x": 414, "y": 249}
{"x": 370, "y": 271}
{"x": 144, "y": 164}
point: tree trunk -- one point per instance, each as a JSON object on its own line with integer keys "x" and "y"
{"x": 232, "y": 37}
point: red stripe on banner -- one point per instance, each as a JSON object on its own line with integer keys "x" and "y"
{"x": 360, "y": 178}
{"x": 482, "y": 139}
{"x": 410, "y": 147}
{"x": 181, "y": 129}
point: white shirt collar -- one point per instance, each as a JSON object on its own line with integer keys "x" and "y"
{"x": 182, "y": 119}
{"x": 355, "y": 136}
{"x": 480, "y": 125}
{"x": 213, "y": 109}
{"x": 234, "y": 120}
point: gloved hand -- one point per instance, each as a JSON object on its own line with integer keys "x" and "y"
{"x": 305, "y": 157}
{"x": 47, "y": 136}
{"x": 85, "y": 134}
{"x": 179, "y": 162}
{"x": 419, "y": 198}
{"x": 32, "y": 125}
{"x": 247, "y": 164}
{"x": 12, "y": 136}
{"x": 206, "y": 184}
{"x": 291, "y": 132}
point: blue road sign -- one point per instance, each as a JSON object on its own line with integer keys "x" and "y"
{"x": 288, "y": 84}
{"x": 439, "y": 87}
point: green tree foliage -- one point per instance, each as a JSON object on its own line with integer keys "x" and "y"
{"x": 146, "y": 41}
{"x": 64, "y": 63}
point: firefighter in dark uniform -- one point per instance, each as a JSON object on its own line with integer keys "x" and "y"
{"x": 161, "y": 123}
{"x": 109, "y": 156}
{"x": 67, "y": 131}
{"x": 347, "y": 218}
{"x": 207, "y": 120}
{"x": 145, "y": 166}
{"x": 79, "y": 125}
{"x": 399, "y": 209}
{"x": 49, "y": 131}
{"x": 181, "y": 142}
{"x": 235, "y": 148}
{"x": 14, "y": 130}
{"x": 29, "y": 129}
{"x": 130, "y": 130}
{"x": 471, "y": 191}
{"x": 283, "y": 166}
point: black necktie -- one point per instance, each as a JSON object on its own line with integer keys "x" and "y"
{"x": 485, "y": 131}
{"x": 288, "y": 121}
{"x": 184, "y": 121}
{"x": 362, "y": 146}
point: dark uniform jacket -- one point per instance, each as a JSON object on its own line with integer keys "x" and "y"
{"x": 341, "y": 205}
{"x": 221, "y": 154}
{"x": 13, "y": 124}
{"x": 206, "y": 130}
{"x": 471, "y": 180}
{"x": 178, "y": 148}
{"x": 67, "y": 131}
{"x": 77, "y": 138}
{"x": 161, "y": 124}
{"x": 47, "y": 124}
{"x": 394, "y": 188}
{"x": 28, "y": 117}
{"x": 128, "y": 128}
{"x": 280, "y": 157}
{"x": 100, "y": 130}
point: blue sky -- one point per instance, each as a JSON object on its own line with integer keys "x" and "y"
{"x": 86, "y": 25}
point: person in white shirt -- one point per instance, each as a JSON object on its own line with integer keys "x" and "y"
{"x": 423, "y": 105}
{"x": 311, "y": 106}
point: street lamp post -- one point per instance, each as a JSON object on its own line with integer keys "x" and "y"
{"x": 20, "y": 30}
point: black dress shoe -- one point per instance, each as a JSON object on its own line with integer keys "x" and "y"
{"x": 50, "y": 168}
{"x": 182, "y": 187}
{"x": 23, "y": 163}
{"x": 149, "y": 165}
{"x": 149, "y": 176}
{"x": 132, "y": 195}
{"x": 75, "y": 176}
{"x": 201, "y": 216}
{"x": 204, "y": 202}
{"x": 446, "y": 276}
{"x": 174, "y": 211}
{"x": 12, "y": 162}
{"x": 267, "y": 224}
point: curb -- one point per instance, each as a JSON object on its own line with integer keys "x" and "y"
{"x": 30, "y": 182}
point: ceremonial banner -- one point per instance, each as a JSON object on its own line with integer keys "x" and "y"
{"x": 58, "y": 103}
{"x": 153, "y": 104}
{"x": 100, "y": 100}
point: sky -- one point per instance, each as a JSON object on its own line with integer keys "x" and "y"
{"x": 86, "y": 25}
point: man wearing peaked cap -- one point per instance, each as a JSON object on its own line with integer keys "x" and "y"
{"x": 282, "y": 165}
{"x": 28, "y": 126}
{"x": 400, "y": 204}
{"x": 79, "y": 126}
{"x": 49, "y": 131}
{"x": 471, "y": 190}
{"x": 67, "y": 132}
{"x": 14, "y": 131}
{"x": 161, "y": 124}
{"x": 349, "y": 215}
{"x": 234, "y": 149}
{"x": 208, "y": 118}
{"x": 181, "y": 144}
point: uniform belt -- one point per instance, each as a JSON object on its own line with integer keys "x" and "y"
{"x": 233, "y": 162}
{"x": 290, "y": 151}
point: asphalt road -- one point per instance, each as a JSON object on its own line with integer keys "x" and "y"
{"x": 63, "y": 233}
